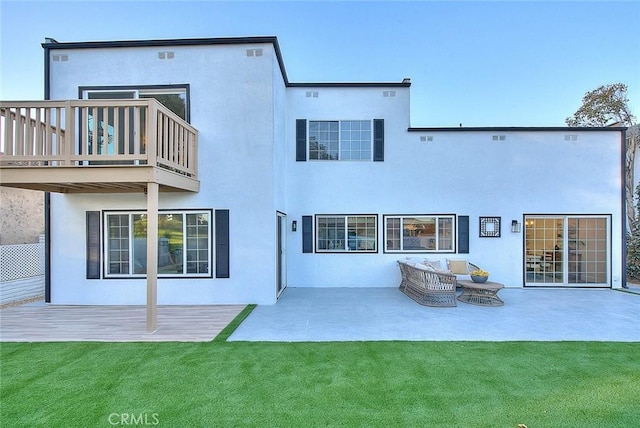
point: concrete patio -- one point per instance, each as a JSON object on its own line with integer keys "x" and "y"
{"x": 345, "y": 314}
{"x": 353, "y": 314}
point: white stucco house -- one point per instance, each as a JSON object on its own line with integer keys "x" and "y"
{"x": 259, "y": 183}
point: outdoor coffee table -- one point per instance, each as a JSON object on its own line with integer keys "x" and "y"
{"x": 483, "y": 294}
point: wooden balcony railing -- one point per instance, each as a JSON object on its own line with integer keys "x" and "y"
{"x": 87, "y": 133}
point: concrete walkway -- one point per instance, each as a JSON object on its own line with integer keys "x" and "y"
{"x": 355, "y": 314}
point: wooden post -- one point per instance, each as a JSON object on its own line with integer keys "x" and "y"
{"x": 69, "y": 141}
{"x": 152, "y": 256}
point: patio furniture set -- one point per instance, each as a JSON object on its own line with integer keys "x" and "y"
{"x": 427, "y": 284}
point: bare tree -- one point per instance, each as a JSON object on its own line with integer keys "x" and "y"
{"x": 605, "y": 106}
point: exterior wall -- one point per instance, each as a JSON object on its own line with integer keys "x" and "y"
{"x": 245, "y": 114}
{"x": 281, "y": 161}
{"x": 21, "y": 216}
{"x": 462, "y": 173}
{"x": 348, "y": 187}
{"x": 232, "y": 106}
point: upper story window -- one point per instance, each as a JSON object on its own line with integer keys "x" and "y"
{"x": 340, "y": 140}
{"x": 174, "y": 100}
{"x": 174, "y": 97}
{"x": 419, "y": 233}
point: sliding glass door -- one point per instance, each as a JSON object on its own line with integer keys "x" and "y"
{"x": 570, "y": 251}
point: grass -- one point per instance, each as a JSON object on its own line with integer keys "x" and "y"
{"x": 231, "y": 327}
{"x": 373, "y": 384}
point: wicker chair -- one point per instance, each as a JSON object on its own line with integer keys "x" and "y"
{"x": 427, "y": 287}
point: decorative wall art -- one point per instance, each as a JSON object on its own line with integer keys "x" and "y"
{"x": 489, "y": 227}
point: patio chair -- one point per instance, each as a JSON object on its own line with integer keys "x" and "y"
{"x": 426, "y": 286}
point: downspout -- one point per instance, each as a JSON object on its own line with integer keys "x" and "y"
{"x": 47, "y": 195}
{"x": 623, "y": 168}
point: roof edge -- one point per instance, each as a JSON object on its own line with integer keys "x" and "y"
{"x": 404, "y": 84}
{"x": 51, "y": 43}
{"x": 516, "y": 129}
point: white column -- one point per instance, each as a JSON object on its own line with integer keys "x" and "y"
{"x": 152, "y": 256}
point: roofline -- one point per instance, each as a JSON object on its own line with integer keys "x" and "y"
{"x": 403, "y": 84}
{"x": 53, "y": 44}
{"x": 518, "y": 129}
{"x": 50, "y": 44}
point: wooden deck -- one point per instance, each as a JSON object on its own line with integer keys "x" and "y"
{"x": 96, "y": 146}
{"x": 46, "y": 323}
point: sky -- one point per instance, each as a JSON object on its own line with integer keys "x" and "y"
{"x": 479, "y": 63}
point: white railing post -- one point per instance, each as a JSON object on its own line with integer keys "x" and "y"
{"x": 193, "y": 154}
{"x": 68, "y": 142}
{"x": 152, "y": 133}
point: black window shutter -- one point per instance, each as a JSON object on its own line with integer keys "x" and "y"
{"x": 463, "y": 234}
{"x": 307, "y": 234}
{"x": 378, "y": 140}
{"x": 222, "y": 243}
{"x": 301, "y": 140}
{"x": 93, "y": 244}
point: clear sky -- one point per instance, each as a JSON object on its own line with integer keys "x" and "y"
{"x": 506, "y": 63}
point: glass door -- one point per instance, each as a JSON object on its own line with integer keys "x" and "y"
{"x": 111, "y": 130}
{"x": 106, "y": 125}
{"x": 281, "y": 253}
{"x": 571, "y": 251}
{"x": 587, "y": 250}
{"x": 544, "y": 243}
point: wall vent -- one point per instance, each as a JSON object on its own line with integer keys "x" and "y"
{"x": 166, "y": 54}
{"x": 60, "y": 57}
{"x": 499, "y": 137}
{"x": 571, "y": 137}
{"x": 312, "y": 94}
{"x": 254, "y": 52}
{"x": 388, "y": 94}
{"x": 425, "y": 138}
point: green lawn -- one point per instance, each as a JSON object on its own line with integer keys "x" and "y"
{"x": 388, "y": 384}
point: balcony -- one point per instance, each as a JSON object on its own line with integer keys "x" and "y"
{"x": 96, "y": 146}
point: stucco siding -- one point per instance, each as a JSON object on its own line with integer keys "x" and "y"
{"x": 245, "y": 112}
{"x": 21, "y": 216}
{"x": 232, "y": 106}
{"x": 462, "y": 173}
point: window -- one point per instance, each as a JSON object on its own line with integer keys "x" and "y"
{"x": 567, "y": 250}
{"x": 184, "y": 244}
{"x": 340, "y": 140}
{"x": 420, "y": 233}
{"x": 174, "y": 97}
{"x": 108, "y": 126}
{"x": 337, "y": 233}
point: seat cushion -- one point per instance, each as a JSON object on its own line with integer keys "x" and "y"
{"x": 458, "y": 267}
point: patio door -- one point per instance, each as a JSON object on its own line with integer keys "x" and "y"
{"x": 111, "y": 129}
{"x": 106, "y": 126}
{"x": 567, "y": 251}
{"x": 281, "y": 253}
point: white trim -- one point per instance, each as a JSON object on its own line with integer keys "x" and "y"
{"x": 562, "y": 251}
{"x": 437, "y": 217}
{"x": 184, "y": 274}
